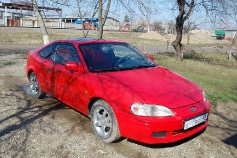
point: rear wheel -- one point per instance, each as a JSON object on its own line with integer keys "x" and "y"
{"x": 35, "y": 88}
{"x": 104, "y": 122}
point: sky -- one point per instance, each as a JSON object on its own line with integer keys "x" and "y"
{"x": 164, "y": 11}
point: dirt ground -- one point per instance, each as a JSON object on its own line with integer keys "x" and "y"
{"x": 48, "y": 128}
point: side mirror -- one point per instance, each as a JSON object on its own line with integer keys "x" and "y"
{"x": 73, "y": 66}
{"x": 151, "y": 57}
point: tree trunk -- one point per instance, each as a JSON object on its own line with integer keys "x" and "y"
{"x": 41, "y": 22}
{"x": 102, "y": 20}
{"x": 80, "y": 16}
{"x": 149, "y": 16}
{"x": 100, "y": 33}
{"x": 180, "y": 19}
{"x": 178, "y": 51}
{"x": 232, "y": 44}
{"x": 178, "y": 46}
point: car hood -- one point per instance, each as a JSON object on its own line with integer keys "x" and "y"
{"x": 157, "y": 85}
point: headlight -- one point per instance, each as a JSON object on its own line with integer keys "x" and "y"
{"x": 150, "y": 110}
{"x": 204, "y": 95}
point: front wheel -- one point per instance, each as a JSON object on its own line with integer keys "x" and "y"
{"x": 104, "y": 122}
{"x": 35, "y": 88}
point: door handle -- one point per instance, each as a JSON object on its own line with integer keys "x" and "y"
{"x": 49, "y": 70}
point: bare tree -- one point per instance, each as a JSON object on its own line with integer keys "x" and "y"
{"x": 180, "y": 19}
{"x": 41, "y": 22}
{"x": 126, "y": 19}
{"x": 38, "y": 14}
{"x": 145, "y": 7}
{"x": 94, "y": 5}
{"x": 159, "y": 26}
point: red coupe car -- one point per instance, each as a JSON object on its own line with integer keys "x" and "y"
{"x": 123, "y": 91}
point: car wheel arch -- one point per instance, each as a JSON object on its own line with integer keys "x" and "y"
{"x": 90, "y": 104}
{"x": 93, "y": 100}
{"x": 29, "y": 73}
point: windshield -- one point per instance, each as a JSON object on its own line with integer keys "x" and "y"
{"x": 114, "y": 57}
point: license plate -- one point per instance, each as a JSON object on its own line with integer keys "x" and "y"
{"x": 195, "y": 121}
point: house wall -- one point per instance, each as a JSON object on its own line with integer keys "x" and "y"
{"x": 230, "y": 33}
{"x": 111, "y": 24}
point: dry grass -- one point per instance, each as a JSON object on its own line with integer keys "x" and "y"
{"x": 33, "y": 36}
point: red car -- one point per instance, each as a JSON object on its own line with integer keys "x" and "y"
{"x": 122, "y": 90}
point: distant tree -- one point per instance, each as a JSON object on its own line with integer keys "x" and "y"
{"x": 92, "y": 8}
{"x": 159, "y": 26}
{"x": 126, "y": 18}
{"x": 82, "y": 13}
{"x": 171, "y": 27}
{"x": 145, "y": 7}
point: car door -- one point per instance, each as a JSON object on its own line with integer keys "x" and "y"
{"x": 67, "y": 83}
{"x": 46, "y": 66}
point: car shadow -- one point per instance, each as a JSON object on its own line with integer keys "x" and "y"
{"x": 38, "y": 112}
{"x": 231, "y": 140}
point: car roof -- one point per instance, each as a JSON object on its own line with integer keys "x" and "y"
{"x": 88, "y": 40}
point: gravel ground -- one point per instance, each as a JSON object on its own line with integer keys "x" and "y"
{"x": 48, "y": 128}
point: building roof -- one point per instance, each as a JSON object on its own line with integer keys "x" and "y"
{"x": 26, "y": 6}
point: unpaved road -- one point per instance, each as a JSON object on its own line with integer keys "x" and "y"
{"x": 47, "y": 128}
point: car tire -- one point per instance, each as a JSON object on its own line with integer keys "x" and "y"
{"x": 104, "y": 122}
{"x": 35, "y": 88}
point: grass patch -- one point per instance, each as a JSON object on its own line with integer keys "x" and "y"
{"x": 133, "y": 38}
{"x": 219, "y": 59}
{"x": 216, "y": 75}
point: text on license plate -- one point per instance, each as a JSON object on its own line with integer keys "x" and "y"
{"x": 195, "y": 121}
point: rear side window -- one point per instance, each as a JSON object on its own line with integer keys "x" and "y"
{"x": 46, "y": 52}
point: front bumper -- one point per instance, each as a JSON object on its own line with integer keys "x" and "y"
{"x": 155, "y": 130}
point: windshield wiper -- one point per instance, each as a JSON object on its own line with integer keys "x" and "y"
{"x": 107, "y": 69}
{"x": 140, "y": 67}
{"x": 122, "y": 69}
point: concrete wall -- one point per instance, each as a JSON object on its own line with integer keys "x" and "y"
{"x": 52, "y": 24}
{"x": 1, "y": 15}
{"x": 71, "y": 25}
{"x": 1, "y": 22}
{"x": 24, "y": 22}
